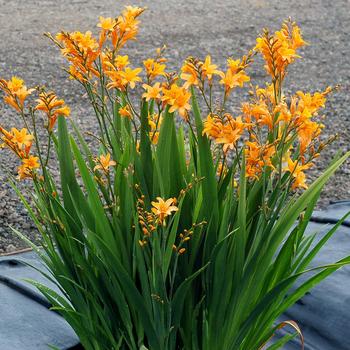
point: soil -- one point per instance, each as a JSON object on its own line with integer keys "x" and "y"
{"x": 222, "y": 28}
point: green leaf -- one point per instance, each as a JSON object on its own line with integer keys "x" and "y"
{"x": 281, "y": 342}
{"x": 145, "y": 150}
{"x": 180, "y": 296}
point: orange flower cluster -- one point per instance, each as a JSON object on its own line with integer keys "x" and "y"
{"x": 226, "y": 130}
{"x": 259, "y": 112}
{"x": 299, "y": 115}
{"x": 273, "y": 124}
{"x": 177, "y": 98}
{"x": 235, "y": 75}
{"x": 121, "y": 79}
{"x": 297, "y": 172}
{"x": 20, "y": 142}
{"x": 121, "y": 29}
{"x": 190, "y": 73}
{"x": 81, "y": 50}
{"x": 293, "y": 121}
{"x": 155, "y": 67}
{"x": 149, "y": 220}
{"x": 52, "y": 107}
{"x": 90, "y": 57}
{"x": 280, "y": 49}
{"x": 195, "y": 72}
{"x": 123, "y": 76}
{"x": 303, "y": 109}
{"x": 257, "y": 158}
{"x": 15, "y": 92}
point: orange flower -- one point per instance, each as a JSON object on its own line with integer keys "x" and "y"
{"x": 308, "y": 104}
{"x": 74, "y": 73}
{"x": 225, "y": 131}
{"x": 162, "y": 208}
{"x": 209, "y": 69}
{"x": 178, "y": 99}
{"x": 26, "y": 169}
{"x": 153, "y": 68}
{"x": 232, "y": 80}
{"x": 132, "y": 11}
{"x": 279, "y": 50}
{"x": 130, "y": 76}
{"x": 31, "y": 162}
{"x": 152, "y": 92}
{"x": 104, "y": 162}
{"x": 15, "y": 92}
{"x": 231, "y": 133}
{"x": 21, "y": 137}
{"x": 297, "y": 172}
{"x": 52, "y": 107}
{"x": 125, "y": 112}
{"x": 267, "y": 93}
{"x": 24, "y": 172}
{"x": 127, "y": 27}
{"x": 213, "y": 126}
{"x": 234, "y": 65}
{"x": 81, "y": 50}
{"x": 19, "y": 142}
{"x": 259, "y": 111}
{"x": 297, "y": 40}
{"x": 257, "y": 157}
{"x": 106, "y": 24}
{"x": 116, "y": 80}
{"x": 121, "y": 62}
{"x": 15, "y": 84}
{"x": 189, "y": 74}
{"x": 307, "y": 132}
{"x": 284, "y": 113}
{"x": 116, "y": 64}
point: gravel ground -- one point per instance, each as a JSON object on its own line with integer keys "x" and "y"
{"x": 222, "y": 28}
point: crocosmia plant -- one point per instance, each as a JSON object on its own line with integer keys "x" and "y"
{"x": 182, "y": 225}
